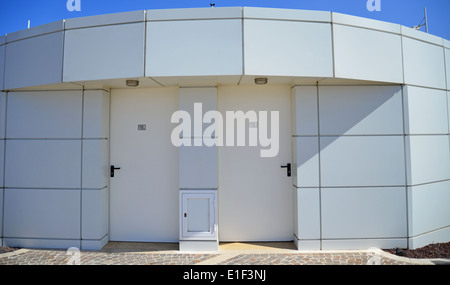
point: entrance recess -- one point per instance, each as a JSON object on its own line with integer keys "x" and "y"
{"x": 144, "y": 191}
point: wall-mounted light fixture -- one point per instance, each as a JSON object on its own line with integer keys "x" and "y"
{"x": 260, "y": 81}
{"x": 132, "y": 83}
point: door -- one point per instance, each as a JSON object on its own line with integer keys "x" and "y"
{"x": 255, "y": 193}
{"x": 199, "y": 216}
{"x": 144, "y": 191}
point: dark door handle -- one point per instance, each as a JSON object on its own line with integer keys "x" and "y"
{"x": 288, "y": 166}
{"x": 112, "y": 168}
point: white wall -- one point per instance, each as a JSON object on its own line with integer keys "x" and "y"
{"x": 367, "y": 54}
{"x": 56, "y": 176}
{"x": 348, "y": 155}
{"x": 294, "y": 48}
{"x": 194, "y": 48}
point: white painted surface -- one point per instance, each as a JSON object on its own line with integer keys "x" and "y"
{"x": 144, "y": 192}
{"x": 294, "y": 48}
{"x": 43, "y": 163}
{"x": 367, "y": 23}
{"x": 39, "y": 213}
{"x": 49, "y": 114}
{"x": 362, "y": 161}
{"x": 96, "y": 53}
{"x": 194, "y": 13}
{"x": 2, "y": 64}
{"x": 2, "y": 114}
{"x": 427, "y": 158}
{"x": 198, "y": 210}
{"x": 363, "y": 212}
{"x": 106, "y": 19}
{"x": 255, "y": 194}
{"x": 194, "y": 48}
{"x": 304, "y": 110}
{"x": 307, "y": 213}
{"x": 425, "y": 110}
{"x": 286, "y": 14}
{"x": 428, "y": 207}
{"x": 360, "y": 110}
{"x": 96, "y": 114}
{"x": 423, "y": 63}
{"x": 2, "y": 157}
{"x": 95, "y": 169}
{"x": 188, "y": 97}
{"x": 305, "y": 169}
{"x": 34, "y": 61}
{"x": 94, "y": 219}
{"x": 447, "y": 66}
{"x": 367, "y": 55}
{"x": 198, "y": 166}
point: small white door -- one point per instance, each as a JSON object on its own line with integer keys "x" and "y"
{"x": 199, "y": 215}
{"x": 144, "y": 191}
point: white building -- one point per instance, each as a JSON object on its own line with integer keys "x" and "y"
{"x": 363, "y": 113}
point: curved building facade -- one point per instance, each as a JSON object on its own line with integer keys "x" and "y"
{"x": 202, "y": 126}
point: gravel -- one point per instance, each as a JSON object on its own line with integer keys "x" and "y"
{"x": 437, "y": 250}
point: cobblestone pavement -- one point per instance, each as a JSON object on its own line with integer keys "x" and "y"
{"x": 63, "y": 257}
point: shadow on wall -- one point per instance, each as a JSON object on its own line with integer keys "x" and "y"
{"x": 355, "y": 122}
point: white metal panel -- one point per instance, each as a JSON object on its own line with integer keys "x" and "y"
{"x": 255, "y": 202}
{"x": 307, "y": 213}
{"x": 199, "y": 215}
{"x": 144, "y": 193}
{"x": 94, "y": 217}
{"x": 425, "y": 111}
{"x": 362, "y": 161}
{"x": 287, "y": 48}
{"x": 2, "y": 64}
{"x": 364, "y": 213}
{"x": 367, "y": 55}
{"x": 106, "y": 19}
{"x": 1, "y": 212}
{"x": 105, "y": 52}
{"x": 189, "y": 97}
{"x": 43, "y": 163}
{"x": 424, "y": 63}
{"x": 95, "y": 163}
{"x": 35, "y": 31}
{"x": 194, "y": 13}
{"x": 422, "y": 36}
{"x": 304, "y": 110}
{"x": 34, "y": 61}
{"x": 428, "y": 158}
{"x": 198, "y": 165}
{"x": 96, "y": 114}
{"x": 194, "y": 48}
{"x": 2, "y": 114}
{"x": 2, "y": 157}
{"x": 447, "y": 66}
{"x": 350, "y": 20}
{"x": 44, "y": 114}
{"x": 41, "y": 213}
{"x": 428, "y": 207}
{"x": 286, "y": 14}
{"x": 305, "y": 170}
{"x": 360, "y": 110}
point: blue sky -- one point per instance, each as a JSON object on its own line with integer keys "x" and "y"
{"x": 14, "y": 14}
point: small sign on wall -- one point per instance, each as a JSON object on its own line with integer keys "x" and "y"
{"x": 142, "y": 127}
